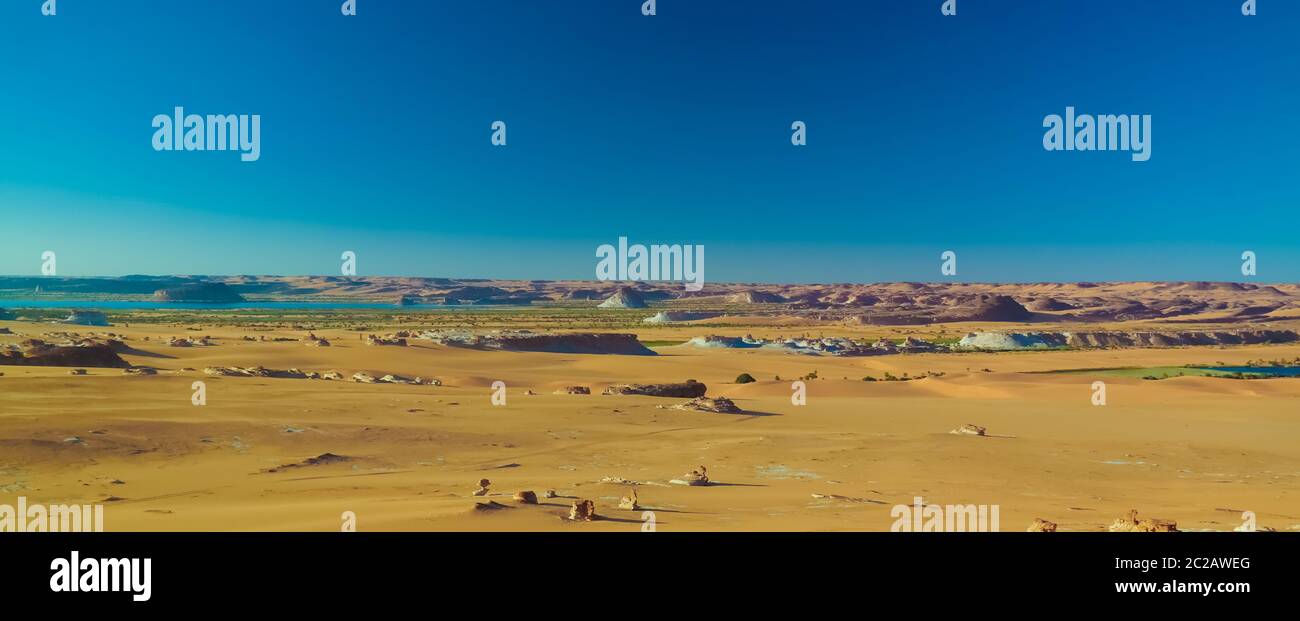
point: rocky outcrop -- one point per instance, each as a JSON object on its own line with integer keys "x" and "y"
{"x": 570, "y": 343}
{"x": 624, "y": 297}
{"x": 259, "y": 371}
{"x": 1006, "y": 341}
{"x": 720, "y": 405}
{"x": 37, "y": 353}
{"x": 1177, "y": 339}
{"x": 315, "y": 341}
{"x": 582, "y": 511}
{"x": 695, "y": 478}
{"x": 1131, "y": 524}
{"x": 970, "y": 430}
{"x": 688, "y": 389}
{"x": 362, "y": 377}
{"x": 1040, "y": 525}
{"x": 389, "y": 340}
{"x": 87, "y": 318}
{"x": 202, "y": 341}
{"x": 199, "y": 293}
{"x": 574, "y": 390}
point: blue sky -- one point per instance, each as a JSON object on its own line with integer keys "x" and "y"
{"x": 924, "y": 135}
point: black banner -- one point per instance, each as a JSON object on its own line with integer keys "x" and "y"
{"x": 319, "y": 571}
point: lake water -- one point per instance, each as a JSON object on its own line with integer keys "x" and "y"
{"x": 246, "y": 305}
{"x": 1276, "y": 371}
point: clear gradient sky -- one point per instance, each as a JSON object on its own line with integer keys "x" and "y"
{"x": 924, "y": 134}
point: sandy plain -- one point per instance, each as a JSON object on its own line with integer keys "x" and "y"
{"x": 1197, "y": 450}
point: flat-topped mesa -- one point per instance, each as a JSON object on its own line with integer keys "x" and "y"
{"x": 525, "y": 341}
{"x": 199, "y": 293}
{"x": 756, "y": 297}
{"x": 1177, "y": 339}
{"x": 1003, "y": 341}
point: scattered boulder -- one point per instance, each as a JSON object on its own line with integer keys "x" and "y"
{"x": 526, "y": 497}
{"x": 140, "y": 371}
{"x": 385, "y": 340}
{"x": 582, "y": 511}
{"x": 550, "y": 493}
{"x": 77, "y": 372}
{"x": 970, "y": 430}
{"x": 324, "y": 459}
{"x": 314, "y": 341}
{"x": 490, "y": 505}
{"x": 629, "y": 502}
{"x": 696, "y": 478}
{"x": 1041, "y": 526}
{"x": 1131, "y": 524}
{"x": 574, "y": 390}
{"x": 482, "y": 487}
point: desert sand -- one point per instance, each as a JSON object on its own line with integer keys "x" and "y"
{"x": 1199, "y": 451}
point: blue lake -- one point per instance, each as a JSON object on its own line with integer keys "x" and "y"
{"x": 1276, "y": 371}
